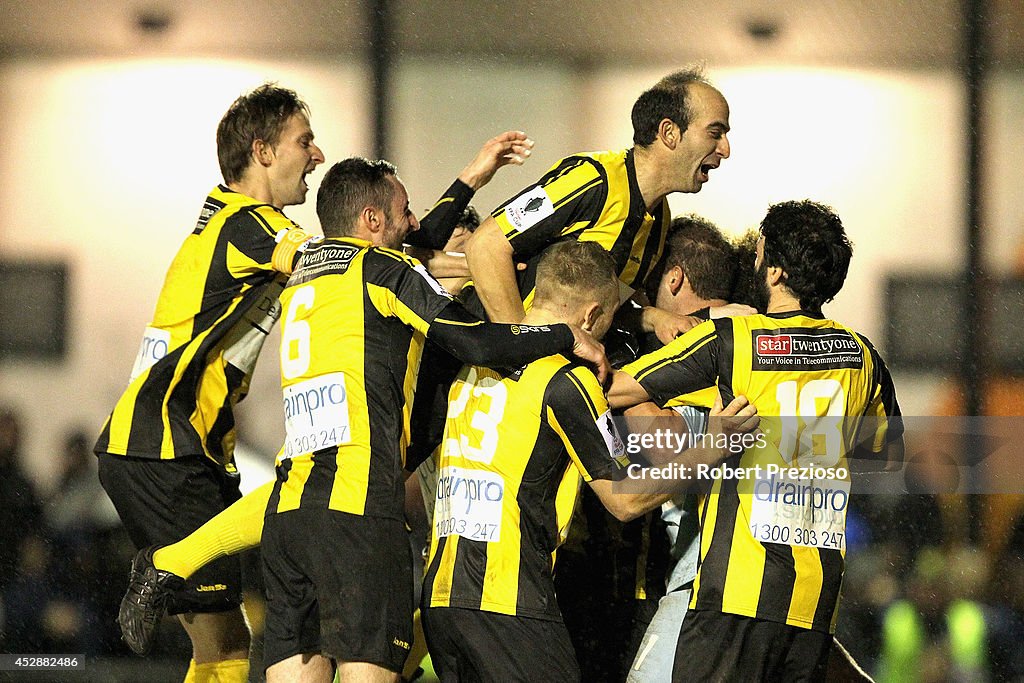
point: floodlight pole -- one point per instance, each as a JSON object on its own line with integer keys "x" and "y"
{"x": 381, "y": 56}
{"x": 975, "y": 290}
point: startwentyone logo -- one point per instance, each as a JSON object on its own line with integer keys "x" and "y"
{"x": 805, "y": 348}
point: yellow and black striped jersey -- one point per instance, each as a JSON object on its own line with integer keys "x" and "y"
{"x": 772, "y": 545}
{"x": 592, "y": 197}
{"x": 515, "y": 448}
{"x": 216, "y": 307}
{"x": 634, "y": 555}
{"x": 354, "y": 324}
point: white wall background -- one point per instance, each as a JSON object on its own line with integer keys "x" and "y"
{"x": 105, "y": 164}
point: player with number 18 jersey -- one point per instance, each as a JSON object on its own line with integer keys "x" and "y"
{"x": 772, "y": 546}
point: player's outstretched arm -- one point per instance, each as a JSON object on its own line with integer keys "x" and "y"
{"x": 511, "y": 147}
{"x": 476, "y": 342}
{"x": 436, "y": 226}
{"x": 489, "y": 255}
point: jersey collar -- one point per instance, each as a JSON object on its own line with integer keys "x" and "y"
{"x": 636, "y": 198}
{"x": 793, "y": 314}
{"x": 351, "y": 240}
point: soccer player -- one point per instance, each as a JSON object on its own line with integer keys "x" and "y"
{"x": 166, "y": 451}
{"x": 356, "y": 314}
{"x": 766, "y": 595}
{"x": 507, "y": 483}
{"x": 616, "y": 199}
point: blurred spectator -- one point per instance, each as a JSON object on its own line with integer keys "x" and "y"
{"x": 909, "y": 521}
{"x": 20, "y": 514}
{"x": 997, "y": 513}
{"x": 1006, "y": 601}
{"x": 871, "y": 583}
{"x": 83, "y": 526}
{"x": 19, "y": 505}
{"x": 63, "y": 570}
{"x": 940, "y": 631}
{"x": 994, "y": 515}
{"x": 78, "y": 508}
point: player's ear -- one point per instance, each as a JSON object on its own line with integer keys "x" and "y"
{"x": 776, "y": 276}
{"x": 676, "y": 278}
{"x": 669, "y": 133}
{"x": 372, "y": 219}
{"x": 262, "y": 152}
{"x": 591, "y": 314}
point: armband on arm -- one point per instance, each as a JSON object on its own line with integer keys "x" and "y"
{"x": 289, "y": 244}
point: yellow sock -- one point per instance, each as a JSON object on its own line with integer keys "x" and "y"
{"x": 237, "y": 528}
{"x": 227, "y": 671}
{"x": 190, "y": 675}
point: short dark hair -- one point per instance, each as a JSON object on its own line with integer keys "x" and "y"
{"x": 666, "y": 100}
{"x": 696, "y": 245}
{"x": 470, "y": 219}
{"x": 350, "y": 186}
{"x": 257, "y": 115}
{"x": 576, "y": 270}
{"x": 807, "y": 240}
{"x": 745, "y": 287}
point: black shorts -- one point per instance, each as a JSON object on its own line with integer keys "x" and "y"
{"x": 714, "y": 646}
{"x": 339, "y": 585}
{"x": 161, "y": 502}
{"x": 468, "y": 645}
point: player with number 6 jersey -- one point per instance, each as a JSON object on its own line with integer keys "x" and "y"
{"x": 356, "y": 314}
{"x": 772, "y": 546}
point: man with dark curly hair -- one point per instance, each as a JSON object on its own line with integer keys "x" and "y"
{"x": 766, "y": 595}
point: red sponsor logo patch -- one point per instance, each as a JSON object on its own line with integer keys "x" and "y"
{"x": 772, "y": 345}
